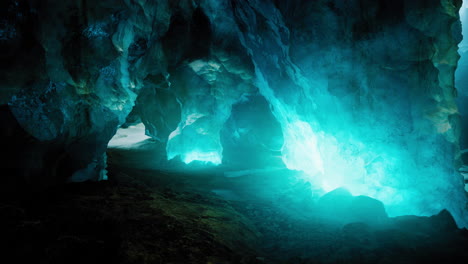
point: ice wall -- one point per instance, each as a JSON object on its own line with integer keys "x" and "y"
{"x": 365, "y": 100}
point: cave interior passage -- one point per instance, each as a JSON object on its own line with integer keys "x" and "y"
{"x": 228, "y": 131}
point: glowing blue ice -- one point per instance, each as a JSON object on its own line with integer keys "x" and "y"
{"x": 361, "y": 122}
{"x": 206, "y": 157}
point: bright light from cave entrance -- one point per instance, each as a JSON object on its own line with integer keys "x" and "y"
{"x": 130, "y": 137}
{"x": 463, "y": 13}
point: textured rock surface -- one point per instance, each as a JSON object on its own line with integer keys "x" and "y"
{"x": 141, "y": 219}
{"x": 354, "y": 106}
{"x": 124, "y": 223}
{"x": 362, "y": 92}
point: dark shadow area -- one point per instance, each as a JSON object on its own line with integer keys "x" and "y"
{"x": 150, "y": 216}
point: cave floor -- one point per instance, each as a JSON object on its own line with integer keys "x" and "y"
{"x": 142, "y": 215}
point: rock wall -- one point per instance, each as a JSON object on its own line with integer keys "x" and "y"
{"x": 364, "y": 92}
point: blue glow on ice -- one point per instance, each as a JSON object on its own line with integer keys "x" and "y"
{"x": 328, "y": 165}
{"x": 205, "y": 157}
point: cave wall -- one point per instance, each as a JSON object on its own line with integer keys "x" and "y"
{"x": 365, "y": 95}
{"x": 353, "y": 93}
{"x": 462, "y": 81}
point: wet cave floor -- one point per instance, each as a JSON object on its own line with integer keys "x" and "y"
{"x": 141, "y": 215}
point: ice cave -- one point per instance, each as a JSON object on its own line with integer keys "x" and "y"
{"x": 234, "y": 131}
